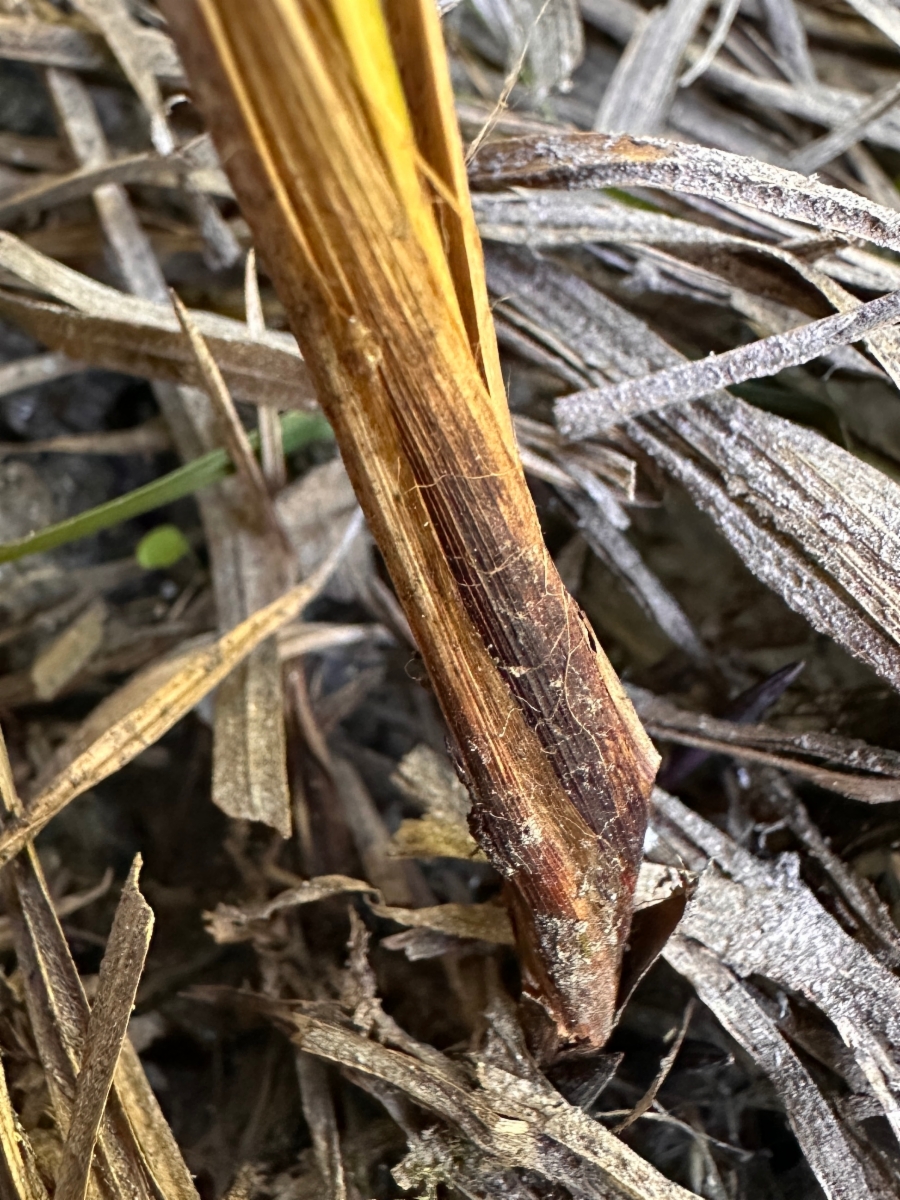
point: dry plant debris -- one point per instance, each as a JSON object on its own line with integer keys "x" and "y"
{"x": 551, "y": 290}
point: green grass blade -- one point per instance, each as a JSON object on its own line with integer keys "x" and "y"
{"x": 297, "y": 429}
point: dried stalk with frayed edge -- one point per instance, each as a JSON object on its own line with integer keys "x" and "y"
{"x": 335, "y": 120}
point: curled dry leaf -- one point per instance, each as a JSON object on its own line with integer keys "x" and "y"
{"x": 588, "y": 160}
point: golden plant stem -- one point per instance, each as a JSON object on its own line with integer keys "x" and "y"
{"x": 362, "y": 216}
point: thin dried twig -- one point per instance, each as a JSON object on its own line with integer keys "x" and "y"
{"x": 843, "y": 765}
{"x": 646, "y": 1101}
{"x": 233, "y": 435}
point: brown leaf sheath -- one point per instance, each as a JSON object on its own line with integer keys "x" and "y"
{"x": 307, "y": 110}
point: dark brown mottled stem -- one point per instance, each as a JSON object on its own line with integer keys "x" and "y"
{"x": 405, "y": 368}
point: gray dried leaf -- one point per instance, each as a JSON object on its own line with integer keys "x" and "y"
{"x": 151, "y": 437}
{"x": 640, "y": 93}
{"x": 658, "y": 269}
{"x": 250, "y": 748}
{"x": 112, "y": 329}
{"x": 36, "y": 369}
{"x": 159, "y": 170}
{"x": 271, "y": 446}
{"x": 550, "y": 36}
{"x": 252, "y": 485}
{"x": 114, "y": 20}
{"x": 724, "y": 20}
{"x": 250, "y": 561}
{"x": 612, "y": 548}
{"x": 230, "y": 923}
{"x": 37, "y": 153}
{"x": 788, "y": 36}
{"x": 823, "y": 104}
{"x": 61, "y": 44}
{"x": 554, "y": 218}
{"x": 610, "y": 467}
{"x": 825, "y": 1145}
{"x": 585, "y": 414}
{"x": 823, "y": 150}
{"x": 588, "y": 332}
{"x": 668, "y": 1061}
{"x": 302, "y": 637}
{"x": 588, "y": 160}
{"x": 857, "y": 893}
{"x": 761, "y": 919}
{"x": 809, "y": 519}
{"x": 882, "y": 15}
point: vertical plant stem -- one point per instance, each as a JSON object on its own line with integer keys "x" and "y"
{"x": 363, "y": 215}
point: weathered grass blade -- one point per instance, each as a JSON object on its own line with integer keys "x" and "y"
{"x": 136, "y": 1151}
{"x": 120, "y": 973}
{"x": 61, "y": 44}
{"x": 18, "y": 1155}
{"x": 809, "y": 519}
{"x": 640, "y": 93}
{"x": 843, "y": 765}
{"x": 824, "y": 1143}
{"x": 758, "y": 919}
{"x": 523, "y": 1132}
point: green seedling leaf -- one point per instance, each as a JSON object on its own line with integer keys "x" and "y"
{"x": 297, "y": 429}
{"x": 162, "y": 547}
